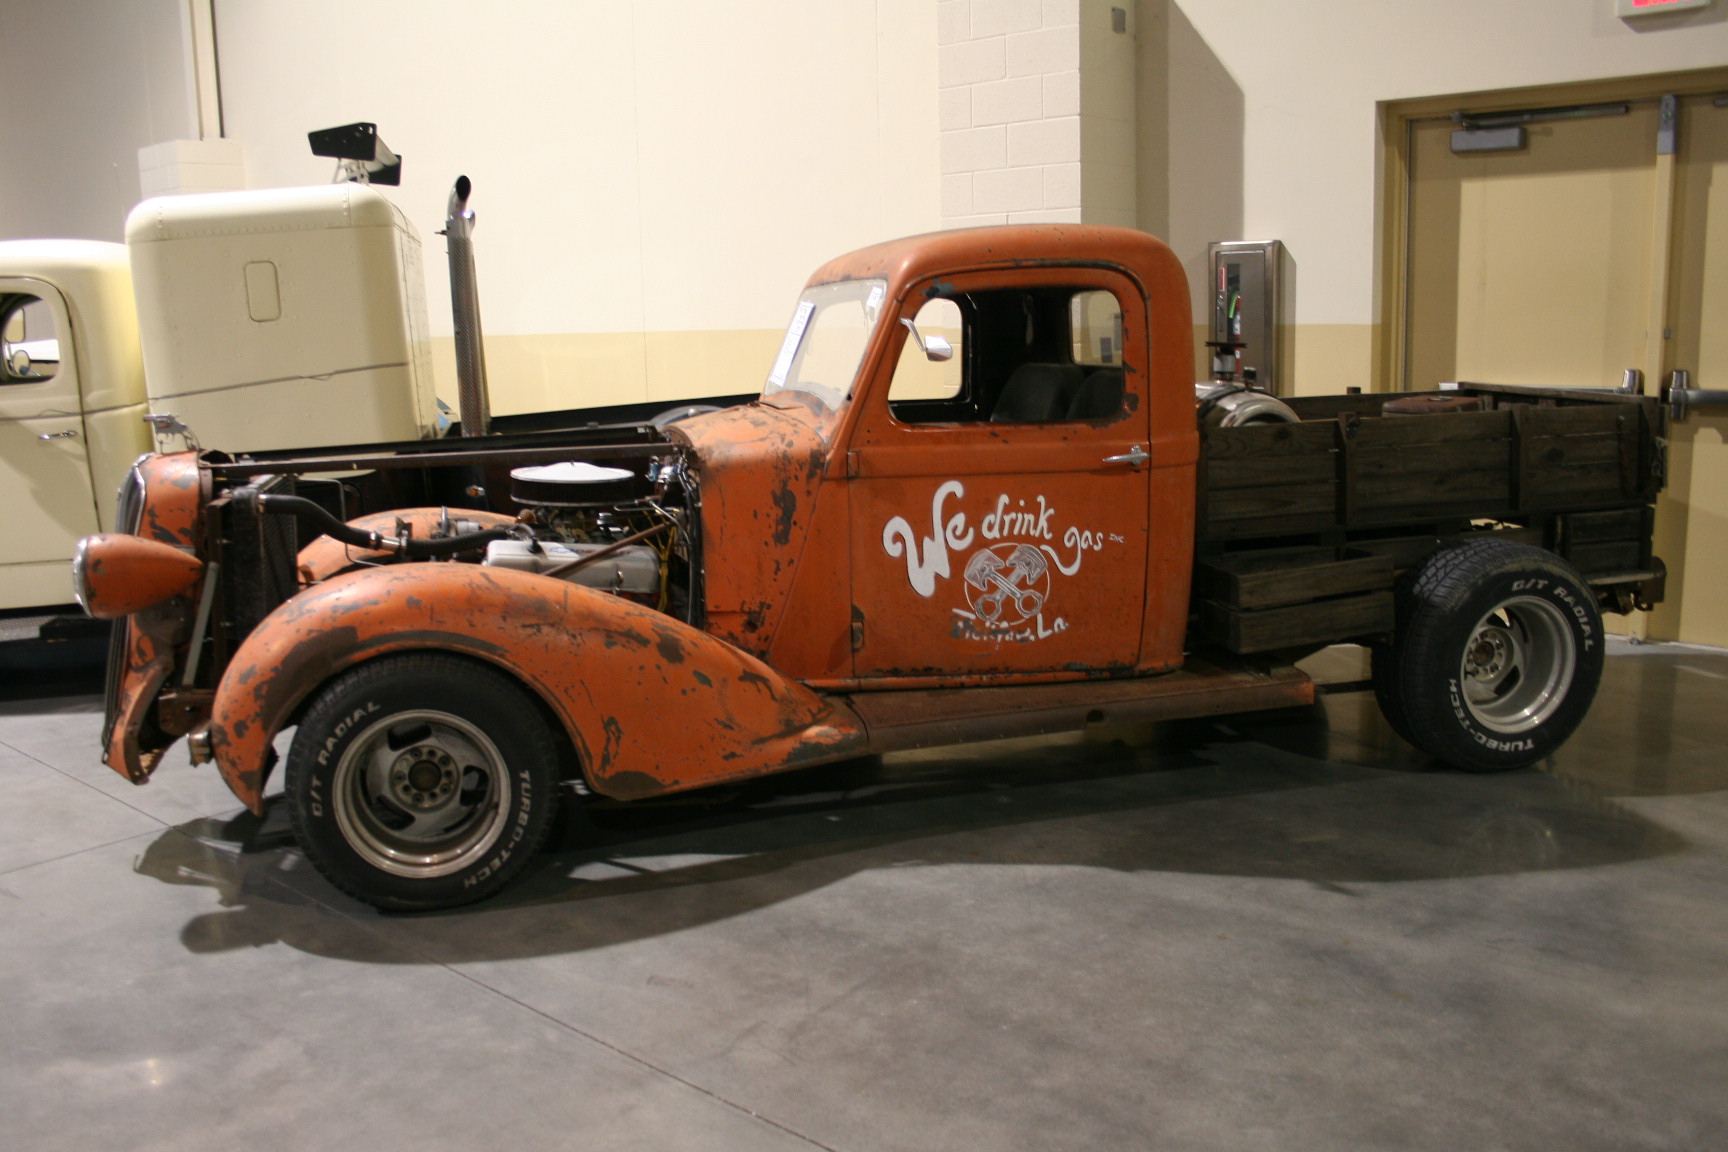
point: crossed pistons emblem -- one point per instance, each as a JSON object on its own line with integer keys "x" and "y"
{"x": 1006, "y": 584}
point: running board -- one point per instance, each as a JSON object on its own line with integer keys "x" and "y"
{"x": 929, "y": 717}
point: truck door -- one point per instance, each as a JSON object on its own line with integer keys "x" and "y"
{"x": 44, "y": 467}
{"x": 999, "y": 496}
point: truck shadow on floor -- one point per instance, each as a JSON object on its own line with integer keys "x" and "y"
{"x": 1282, "y": 796}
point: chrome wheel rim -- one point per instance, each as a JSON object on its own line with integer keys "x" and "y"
{"x": 1517, "y": 664}
{"x": 421, "y": 794}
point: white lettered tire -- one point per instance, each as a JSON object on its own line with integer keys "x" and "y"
{"x": 1496, "y": 658}
{"x": 421, "y": 781}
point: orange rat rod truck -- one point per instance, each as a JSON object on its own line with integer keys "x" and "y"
{"x": 972, "y": 500}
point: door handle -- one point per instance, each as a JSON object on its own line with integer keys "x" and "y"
{"x": 68, "y": 434}
{"x": 1135, "y": 456}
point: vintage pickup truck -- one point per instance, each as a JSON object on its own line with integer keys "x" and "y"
{"x": 972, "y": 500}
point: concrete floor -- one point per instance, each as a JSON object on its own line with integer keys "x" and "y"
{"x": 1280, "y": 932}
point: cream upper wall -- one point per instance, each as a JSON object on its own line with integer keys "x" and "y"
{"x": 637, "y": 166}
{"x": 1286, "y": 93}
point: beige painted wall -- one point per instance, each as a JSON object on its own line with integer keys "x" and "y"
{"x": 1273, "y": 134}
{"x": 653, "y": 182}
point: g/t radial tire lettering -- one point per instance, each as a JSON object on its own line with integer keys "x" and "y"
{"x": 1496, "y": 658}
{"x": 422, "y": 781}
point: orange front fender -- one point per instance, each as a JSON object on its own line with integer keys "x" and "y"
{"x": 651, "y": 704}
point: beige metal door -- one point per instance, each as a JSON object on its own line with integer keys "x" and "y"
{"x": 1588, "y": 252}
{"x": 1532, "y": 267}
{"x": 1692, "y": 518}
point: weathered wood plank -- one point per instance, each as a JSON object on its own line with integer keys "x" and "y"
{"x": 1266, "y": 440}
{"x": 1573, "y": 484}
{"x": 1282, "y": 500}
{"x": 1253, "y": 472}
{"x": 1409, "y": 432}
{"x": 1597, "y": 527}
{"x": 1318, "y": 622}
{"x": 1256, "y": 528}
{"x": 1279, "y": 577}
{"x": 1597, "y": 450}
{"x": 1486, "y": 487}
{"x": 1376, "y": 461}
{"x": 1581, "y": 419}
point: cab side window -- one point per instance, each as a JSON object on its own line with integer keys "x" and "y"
{"x": 1012, "y": 356}
{"x": 29, "y": 346}
{"x": 931, "y": 360}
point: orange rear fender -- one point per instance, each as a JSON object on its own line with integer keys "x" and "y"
{"x": 651, "y": 704}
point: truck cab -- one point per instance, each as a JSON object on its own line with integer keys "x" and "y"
{"x": 985, "y": 473}
{"x": 71, "y": 406}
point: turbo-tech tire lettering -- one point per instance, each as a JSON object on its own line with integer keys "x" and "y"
{"x": 421, "y": 781}
{"x": 1496, "y": 658}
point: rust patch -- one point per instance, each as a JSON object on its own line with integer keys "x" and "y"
{"x": 609, "y": 750}
{"x": 786, "y": 501}
{"x": 671, "y": 649}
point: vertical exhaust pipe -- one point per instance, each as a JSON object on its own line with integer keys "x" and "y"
{"x": 474, "y": 404}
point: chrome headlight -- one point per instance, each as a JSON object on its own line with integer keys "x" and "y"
{"x": 115, "y": 574}
{"x": 80, "y": 588}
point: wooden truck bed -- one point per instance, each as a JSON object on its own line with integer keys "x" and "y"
{"x": 1303, "y": 527}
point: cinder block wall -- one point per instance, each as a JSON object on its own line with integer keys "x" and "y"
{"x": 1037, "y": 105}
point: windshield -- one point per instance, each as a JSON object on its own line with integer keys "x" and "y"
{"x": 826, "y": 339}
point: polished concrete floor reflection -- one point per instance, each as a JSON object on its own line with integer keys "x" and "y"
{"x": 1278, "y": 932}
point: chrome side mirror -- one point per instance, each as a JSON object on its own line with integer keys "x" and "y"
{"x": 936, "y": 348}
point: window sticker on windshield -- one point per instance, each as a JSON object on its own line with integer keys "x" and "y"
{"x": 874, "y": 302}
{"x": 789, "y": 348}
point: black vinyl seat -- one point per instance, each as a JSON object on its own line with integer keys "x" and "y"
{"x": 1036, "y": 394}
{"x": 1099, "y": 395}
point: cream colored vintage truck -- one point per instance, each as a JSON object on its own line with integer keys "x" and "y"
{"x": 280, "y": 318}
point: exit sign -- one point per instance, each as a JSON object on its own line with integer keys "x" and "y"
{"x": 1648, "y": 7}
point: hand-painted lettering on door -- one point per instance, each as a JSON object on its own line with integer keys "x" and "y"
{"x": 1014, "y": 587}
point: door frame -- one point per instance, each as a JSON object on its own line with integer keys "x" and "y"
{"x": 1391, "y": 340}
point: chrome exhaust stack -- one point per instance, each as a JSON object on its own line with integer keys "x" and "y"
{"x": 474, "y": 403}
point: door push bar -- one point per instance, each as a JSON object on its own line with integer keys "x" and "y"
{"x": 1681, "y": 397}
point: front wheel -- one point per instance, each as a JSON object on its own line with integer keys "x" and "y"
{"x": 1496, "y": 659}
{"x": 421, "y": 781}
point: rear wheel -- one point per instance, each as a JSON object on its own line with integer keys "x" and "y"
{"x": 421, "y": 781}
{"x": 1497, "y": 656}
